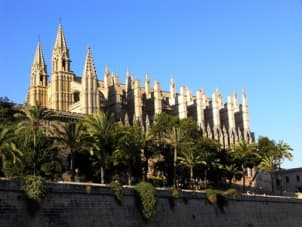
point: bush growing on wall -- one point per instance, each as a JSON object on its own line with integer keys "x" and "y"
{"x": 147, "y": 199}
{"x": 117, "y": 190}
{"x": 34, "y": 187}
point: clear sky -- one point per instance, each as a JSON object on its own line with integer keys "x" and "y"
{"x": 230, "y": 45}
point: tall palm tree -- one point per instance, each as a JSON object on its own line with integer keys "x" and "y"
{"x": 33, "y": 121}
{"x": 268, "y": 165}
{"x": 282, "y": 152}
{"x": 190, "y": 158}
{"x": 70, "y": 139}
{"x": 148, "y": 148}
{"x": 208, "y": 149}
{"x": 8, "y": 148}
{"x": 100, "y": 125}
{"x": 127, "y": 153}
{"x": 243, "y": 152}
{"x": 231, "y": 171}
{"x": 174, "y": 137}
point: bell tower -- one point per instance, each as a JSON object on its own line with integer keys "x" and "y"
{"x": 61, "y": 76}
{"x": 37, "y": 93}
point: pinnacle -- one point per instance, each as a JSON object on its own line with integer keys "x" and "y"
{"x": 39, "y": 59}
{"x": 60, "y": 39}
{"x": 89, "y": 64}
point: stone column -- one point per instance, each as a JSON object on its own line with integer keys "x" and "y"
{"x": 157, "y": 98}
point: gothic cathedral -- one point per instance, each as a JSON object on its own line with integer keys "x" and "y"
{"x": 66, "y": 92}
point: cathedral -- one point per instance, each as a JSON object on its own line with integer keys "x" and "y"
{"x": 67, "y": 92}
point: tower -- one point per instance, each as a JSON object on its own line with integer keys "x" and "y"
{"x": 37, "y": 93}
{"x": 61, "y": 77}
{"x": 157, "y": 98}
{"x": 245, "y": 117}
{"x": 182, "y": 103}
{"x": 147, "y": 87}
{"x": 89, "y": 95}
{"x": 200, "y": 106}
{"x": 172, "y": 98}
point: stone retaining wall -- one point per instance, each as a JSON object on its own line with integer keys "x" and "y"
{"x": 82, "y": 205}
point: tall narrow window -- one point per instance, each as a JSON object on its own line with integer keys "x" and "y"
{"x": 76, "y": 96}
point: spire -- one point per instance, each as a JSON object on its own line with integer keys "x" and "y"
{"x": 60, "y": 40}
{"x": 107, "y": 71}
{"x": 39, "y": 58}
{"x": 60, "y": 53}
{"x": 89, "y": 68}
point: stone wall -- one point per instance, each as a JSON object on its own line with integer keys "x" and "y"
{"x": 80, "y": 205}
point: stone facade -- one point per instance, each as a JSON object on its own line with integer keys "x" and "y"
{"x": 226, "y": 122}
{"x": 288, "y": 181}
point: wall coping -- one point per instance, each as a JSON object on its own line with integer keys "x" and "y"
{"x": 102, "y": 189}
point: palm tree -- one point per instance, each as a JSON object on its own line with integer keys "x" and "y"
{"x": 282, "y": 152}
{"x": 268, "y": 165}
{"x": 100, "y": 125}
{"x": 127, "y": 153}
{"x": 190, "y": 158}
{"x": 148, "y": 148}
{"x": 33, "y": 121}
{"x": 243, "y": 152}
{"x": 232, "y": 171}
{"x": 208, "y": 150}
{"x": 70, "y": 139}
{"x": 8, "y": 148}
{"x": 174, "y": 137}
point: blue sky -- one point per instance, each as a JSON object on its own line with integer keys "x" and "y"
{"x": 230, "y": 45}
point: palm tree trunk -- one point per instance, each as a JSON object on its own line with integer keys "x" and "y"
{"x": 272, "y": 181}
{"x": 191, "y": 174}
{"x": 72, "y": 165}
{"x": 174, "y": 166}
{"x": 35, "y": 144}
{"x": 243, "y": 179}
{"x": 102, "y": 174}
{"x": 206, "y": 177}
{"x": 146, "y": 169}
{"x": 279, "y": 175}
{"x": 129, "y": 177}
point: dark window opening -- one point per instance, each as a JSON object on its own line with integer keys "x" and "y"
{"x": 76, "y": 96}
{"x": 278, "y": 182}
{"x": 63, "y": 64}
{"x": 287, "y": 179}
{"x": 298, "y": 178}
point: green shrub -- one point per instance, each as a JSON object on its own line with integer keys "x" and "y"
{"x": 147, "y": 199}
{"x": 34, "y": 187}
{"x": 211, "y": 195}
{"x": 175, "y": 193}
{"x": 232, "y": 192}
{"x": 117, "y": 191}
{"x": 158, "y": 181}
{"x": 218, "y": 197}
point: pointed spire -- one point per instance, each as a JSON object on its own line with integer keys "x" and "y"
{"x": 107, "y": 71}
{"x": 60, "y": 40}
{"x": 89, "y": 68}
{"x": 39, "y": 58}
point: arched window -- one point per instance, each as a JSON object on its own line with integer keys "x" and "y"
{"x": 76, "y": 96}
